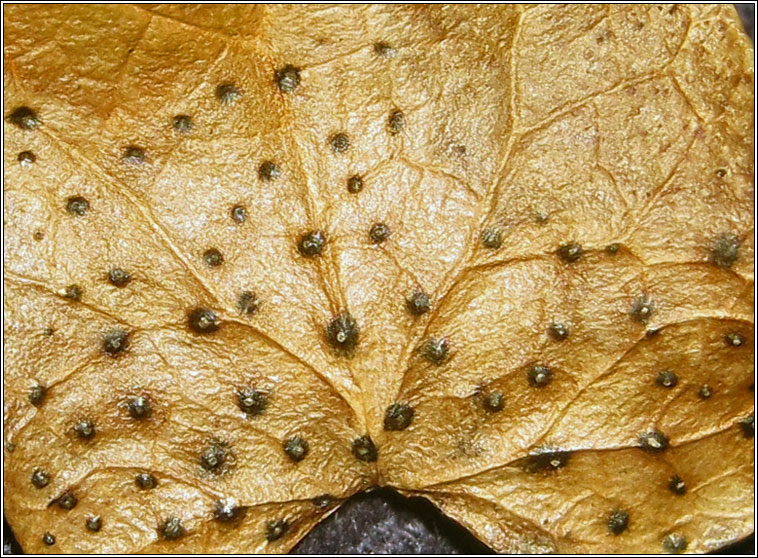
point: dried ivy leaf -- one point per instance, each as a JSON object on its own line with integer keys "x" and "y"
{"x": 625, "y": 126}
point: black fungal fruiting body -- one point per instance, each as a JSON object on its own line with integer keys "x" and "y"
{"x": 677, "y": 486}
{"x": 435, "y": 350}
{"x": 342, "y": 332}
{"x": 213, "y": 458}
{"x": 182, "y": 123}
{"x": 269, "y": 171}
{"x": 37, "y": 395}
{"x": 570, "y": 252}
{"x": 339, "y": 142}
{"x": 379, "y": 233}
{"x": 226, "y": 511}
{"x": 77, "y": 205}
{"x": 311, "y": 244}
{"x": 213, "y": 258}
{"x": 296, "y": 448}
{"x": 287, "y": 78}
{"x": 115, "y": 342}
{"x": 48, "y": 539}
{"x": 134, "y": 155}
{"x": 324, "y": 501}
{"x": 85, "y": 429}
{"x": 396, "y": 122}
{"x": 227, "y": 93}
{"x": 276, "y": 529}
{"x": 67, "y": 501}
{"x": 654, "y": 441}
{"x": 383, "y": 49}
{"x": 203, "y": 320}
{"x": 145, "y": 481}
{"x": 94, "y": 523}
{"x": 747, "y": 425}
{"x": 354, "y": 184}
{"x": 119, "y": 277}
{"x": 40, "y": 479}
{"x": 494, "y": 401}
{"x": 559, "y": 332}
{"x": 546, "y": 460}
{"x": 139, "y": 407}
{"x": 667, "y": 379}
{"x": 492, "y": 239}
{"x": 418, "y": 303}
{"x": 25, "y": 118}
{"x": 251, "y": 401}
{"x": 618, "y": 521}
{"x": 612, "y": 249}
{"x": 73, "y": 292}
{"x": 364, "y": 449}
{"x": 248, "y": 303}
{"x": 398, "y": 416}
{"x": 674, "y": 543}
{"x": 705, "y": 392}
{"x": 171, "y": 529}
{"x": 642, "y": 309}
{"x": 238, "y": 214}
{"x": 725, "y": 250}
{"x": 734, "y": 339}
{"x": 539, "y": 375}
{"x": 26, "y": 158}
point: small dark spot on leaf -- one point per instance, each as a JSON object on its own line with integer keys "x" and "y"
{"x": 67, "y": 501}
{"x": 539, "y": 375}
{"x": 339, "y": 142}
{"x": 38, "y": 235}
{"x": 342, "y": 332}
{"x": 492, "y": 239}
{"x": 618, "y": 521}
{"x": 145, "y": 481}
{"x": 398, "y": 416}
{"x": 674, "y": 543}
{"x": 226, "y": 511}
{"x": 364, "y": 449}
{"x": 667, "y": 379}
{"x": 139, "y": 407}
{"x": 721, "y": 173}
{"x": 25, "y": 118}
{"x": 26, "y": 158}
{"x": 311, "y": 243}
{"x": 559, "y": 331}
{"x": 652, "y": 332}
{"x": 612, "y": 249}
{"x": 435, "y": 350}
{"x": 354, "y": 184}
{"x": 288, "y": 78}
{"x": 203, "y": 320}
{"x": 116, "y": 342}
{"x": 383, "y": 49}
{"x": 134, "y": 155}
{"x": 396, "y": 122}
{"x": 642, "y": 309}
{"x": 85, "y": 429}
{"x": 94, "y": 523}
{"x": 418, "y": 303}
{"x": 239, "y": 214}
{"x": 48, "y": 539}
{"x": 296, "y": 448}
{"x": 48, "y": 331}
{"x": 276, "y": 529}
{"x": 251, "y": 401}
{"x": 171, "y": 529}
{"x": 324, "y": 501}
{"x": 546, "y": 460}
{"x": 725, "y": 250}
{"x": 37, "y": 395}
{"x": 183, "y": 123}
{"x": 77, "y": 205}
{"x": 227, "y": 93}
{"x": 747, "y": 425}
{"x": 654, "y": 441}
{"x": 73, "y": 292}
{"x": 705, "y": 392}
{"x": 570, "y": 252}
{"x": 677, "y": 486}
{"x": 734, "y": 339}
{"x": 269, "y": 171}
{"x": 379, "y": 233}
{"x": 213, "y": 457}
{"x": 540, "y": 217}
{"x": 212, "y": 257}
{"x": 119, "y": 277}
{"x": 248, "y": 303}
{"x": 40, "y": 478}
{"x": 493, "y": 401}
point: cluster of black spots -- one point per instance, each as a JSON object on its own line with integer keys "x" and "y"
{"x": 37, "y": 395}
{"x": 725, "y": 250}
{"x": 276, "y": 528}
{"x": 119, "y": 277}
{"x": 364, "y": 449}
{"x": 612, "y": 249}
{"x": 546, "y": 460}
{"x": 378, "y": 233}
{"x": 492, "y": 239}
{"x": 435, "y": 350}
{"x": 67, "y": 501}
{"x": 145, "y": 481}
{"x": 227, "y": 511}
{"x": 654, "y": 441}
{"x": 73, "y": 292}
{"x": 570, "y": 252}
{"x": 85, "y": 429}
{"x": 183, "y": 123}
{"x": 213, "y": 457}
{"x": 268, "y": 170}
{"x": 677, "y": 486}
{"x": 212, "y": 257}
{"x": 287, "y": 78}
{"x": 418, "y": 303}
{"x": 139, "y": 407}
{"x": 94, "y": 523}
{"x": 25, "y": 118}
{"x": 40, "y": 478}
{"x": 558, "y": 331}
{"x": 248, "y": 303}
{"x": 642, "y": 309}
{"x": 26, "y": 158}
{"x": 203, "y": 320}
{"x": 354, "y": 184}
{"x": 171, "y": 529}
{"x": 48, "y": 539}
{"x": 296, "y": 448}
{"x": 77, "y": 205}
{"x": 134, "y": 155}
{"x": 747, "y": 425}
{"x": 398, "y": 416}
{"x": 342, "y": 332}
{"x": 339, "y": 142}
{"x": 324, "y": 501}
{"x": 396, "y": 122}
{"x": 734, "y": 339}
{"x": 705, "y": 392}
{"x": 618, "y": 521}
{"x": 227, "y": 93}
{"x": 674, "y": 543}
{"x": 384, "y": 50}
{"x": 493, "y": 401}
{"x": 238, "y": 214}
{"x": 667, "y": 379}
{"x": 539, "y": 375}
{"x": 311, "y": 244}
{"x": 251, "y": 401}
{"x": 115, "y": 342}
